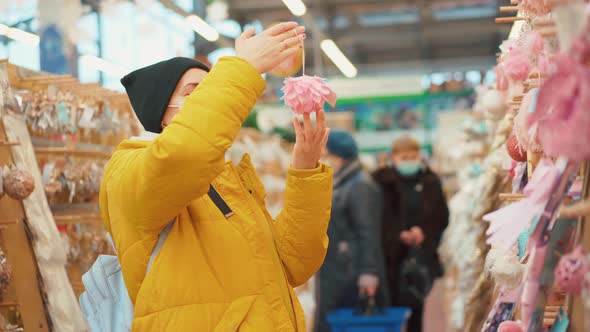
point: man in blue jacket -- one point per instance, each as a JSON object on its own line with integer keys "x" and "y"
{"x": 354, "y": 262}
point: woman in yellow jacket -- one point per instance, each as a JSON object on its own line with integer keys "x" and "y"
{"x": 215, "y": 272}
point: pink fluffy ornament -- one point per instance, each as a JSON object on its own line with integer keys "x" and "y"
{"x": 517, "y": 65}
{"x": 307, "y": 94}
{"x": 510, "y": 326}
{"x": 561, "y": 118}
{"x": 570, "y": 272}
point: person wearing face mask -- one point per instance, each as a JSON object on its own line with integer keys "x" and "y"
{"x": 224, "y": 263}
{"x": 354, "y": 265}
{"x": 415, "y": 215}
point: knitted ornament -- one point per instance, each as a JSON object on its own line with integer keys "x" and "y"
{"x": 515, "y": 150}
{"x": 570, "y": 272}
{"x": 517, "y": 65}
{"x": 307, "y": 94}
{"x": 18, "y": 184}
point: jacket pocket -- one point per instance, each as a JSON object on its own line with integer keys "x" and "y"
{"x": 235, "y": 314}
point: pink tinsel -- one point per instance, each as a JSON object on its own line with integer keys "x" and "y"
{"x": 561, "y": 117}
{"x": 307, "y": 94}
{"x": 517, "y": 65}
{"x": 535, "y": 7}
{"x": 570, "y": 272}
{"x": 510, "y": 326}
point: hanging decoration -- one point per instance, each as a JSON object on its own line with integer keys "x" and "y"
{"x": 307, "y": 94}
{"x": 17, "y": 183}
{"x": 571, "y": 271}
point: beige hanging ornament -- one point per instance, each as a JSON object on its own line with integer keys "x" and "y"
{"x": 18, "y": 184}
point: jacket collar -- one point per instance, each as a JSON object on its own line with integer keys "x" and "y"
{"x": 347, "y": 171}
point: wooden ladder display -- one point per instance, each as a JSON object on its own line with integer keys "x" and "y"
{"x": 22, "y": 303}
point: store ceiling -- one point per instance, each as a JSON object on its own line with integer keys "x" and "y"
{"x": 381, "y": 35}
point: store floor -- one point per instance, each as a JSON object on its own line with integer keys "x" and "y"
{"x": 434, "y": 316}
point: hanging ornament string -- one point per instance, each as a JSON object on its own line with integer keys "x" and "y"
{"x": 300, "y": 37}
{"x": 306, "y": 94}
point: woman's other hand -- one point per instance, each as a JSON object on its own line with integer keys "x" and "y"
{"x": 310, "y": 142}
{"x": 268, "y": 49}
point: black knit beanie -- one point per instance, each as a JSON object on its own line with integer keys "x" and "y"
{"x": 150, "y": 89}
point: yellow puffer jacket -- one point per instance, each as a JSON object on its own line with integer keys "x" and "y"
{"x": 213, "y": 273}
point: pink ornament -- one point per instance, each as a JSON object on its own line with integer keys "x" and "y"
{"x": 527, "y": 140}
{"x": 510, "y": 326}
{"x": 501, "y": 78}
{"x": 534, "y": 43}
{"x": 517, "y": 65}
{"x": 535, "y": 7}
{"x": 561, "y": 117}
{"x": 570, "y": 272}
{"x": 307, "y": 94}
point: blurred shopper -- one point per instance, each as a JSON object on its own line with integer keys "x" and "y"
{"x": 415, "y": 215}
{"x": 225, "y": 264}
{"x": 354, "y": 262}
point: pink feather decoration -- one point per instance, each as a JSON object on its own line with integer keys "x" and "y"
{"x": 570, "y": 272}
{"x": 510, "y": 326}
{"x": 307, "y": 94}
{"x": 507, "y": 223}
{"x": 527, "y": 141}
{"x": 517, "y": 65}
{"x": 561, "y": 117}
{"x": 533, "y": 43}
{"x": 536, "y": 7}
{"x": 502, "y": 83}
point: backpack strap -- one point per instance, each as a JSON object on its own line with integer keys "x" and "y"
{"x": 217, "y": 200}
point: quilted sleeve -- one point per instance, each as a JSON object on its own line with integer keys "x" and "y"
{"x": 153, "y": 183}
{"x": 302, "y": 225}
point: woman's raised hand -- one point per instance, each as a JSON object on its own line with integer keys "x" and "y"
{"x": 310, "y": 142}
{"x": 268, "y": 49}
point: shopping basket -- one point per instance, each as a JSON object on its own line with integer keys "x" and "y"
{"x": 391, "y": 319}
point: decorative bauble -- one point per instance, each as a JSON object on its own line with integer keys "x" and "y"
{"x": 494, "y": 104}
{"x": 570, "y": 272}
{"x": 18, "y": 184}
{"x": 516, "y": 152}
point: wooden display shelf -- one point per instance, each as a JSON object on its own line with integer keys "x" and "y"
{"x": 75, "y": 152}
{"x": 509, "y": 197}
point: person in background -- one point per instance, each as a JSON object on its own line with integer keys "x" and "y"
{"x": 225, "y": 265}
{"x": 415, "y": 215}
{"x": 354, "y": 262}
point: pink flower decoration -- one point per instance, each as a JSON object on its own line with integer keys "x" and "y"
{"x": 517, "y": 65}
{"x": 307, "y": 94}
{"x": 570, "y": 272}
